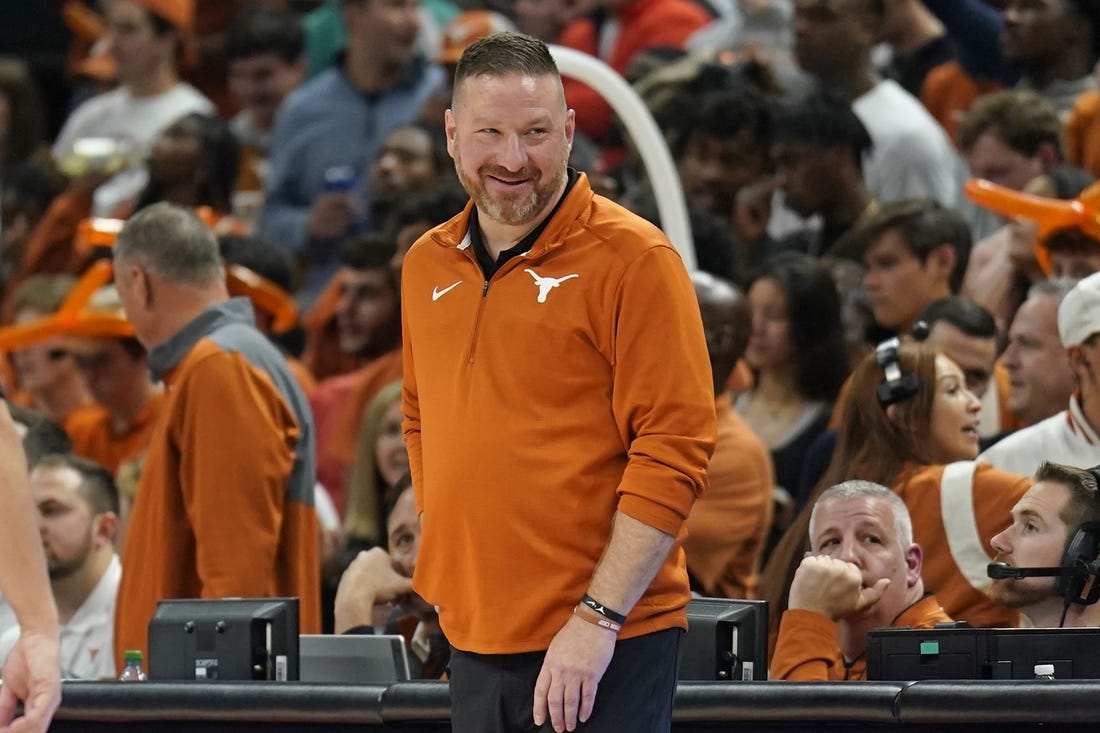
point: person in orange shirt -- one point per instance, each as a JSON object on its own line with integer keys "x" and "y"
{"x": 117, "y": 373}
{"x": 559, "y": 419}
{"x": 225, "y": 506}
{"x": 117, "y": 430}
{"x": 911, "y": 424}
{"x": 48, "y": 378}
{"x": 865, "y": 573}
{"x": 727, "y": 525}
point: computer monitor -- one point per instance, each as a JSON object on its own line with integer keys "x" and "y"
{"x": 224, "y": 639}
{"x": 353, "y": 658}
{"x": 727, "y": 640}
{"x": 977, "y": 654}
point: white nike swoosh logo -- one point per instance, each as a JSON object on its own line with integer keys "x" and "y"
{"x": 437, "y": 293}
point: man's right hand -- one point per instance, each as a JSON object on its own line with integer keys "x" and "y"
{"x": 369, "y": 580}
{"x": 331, "y": 215}
{"x": 832, "y": 588}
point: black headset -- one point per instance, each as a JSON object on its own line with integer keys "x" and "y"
{"x": 1082, "y": 551}
{"x": 896, "y": 387}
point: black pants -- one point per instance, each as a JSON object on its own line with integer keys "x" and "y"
{"x": 494, "y": 693}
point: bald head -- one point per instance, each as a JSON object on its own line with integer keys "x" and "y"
{"x": 727, "y": 323}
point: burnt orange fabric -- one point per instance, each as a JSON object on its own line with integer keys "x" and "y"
{"x": 532, "y": 421}
{"x": 95, "y": 438}
{"x": 949, "y": 92}
{"x": 995, "y": 492}
{"x": 1082, "y": 133}
{"x": 50, "y": 245}
{"x": 808, "y": 649}
{"x": 218, "y": 512}
{"x": 71, "y": 417}
{"x": 728, "y": 524}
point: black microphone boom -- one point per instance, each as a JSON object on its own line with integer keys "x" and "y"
{"x": 1003, "y": 571}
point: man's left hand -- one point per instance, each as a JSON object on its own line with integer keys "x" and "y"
{"x": 574, "y": 665}
{"x": 32, "y": 674}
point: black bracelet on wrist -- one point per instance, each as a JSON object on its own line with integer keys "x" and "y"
{"x": 603, "y": 610}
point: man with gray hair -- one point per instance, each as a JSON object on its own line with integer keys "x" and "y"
{"x": 863, "y": 572}
{"x": 225, "y": 504}
{"x": 1071, "y": 436}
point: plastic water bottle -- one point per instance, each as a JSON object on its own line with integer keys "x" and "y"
{"x": 132, "y": 672}
{"x": 1044, "y": 671}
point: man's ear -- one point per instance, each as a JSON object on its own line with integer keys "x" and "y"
{"x": 914, "y": 559}
{"x": 106, "y": 526}
{"x": 451, "y": 130}
{"x": 941, "y": 260}
{"x": 1078, "y": 361}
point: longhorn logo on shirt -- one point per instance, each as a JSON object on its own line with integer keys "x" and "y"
{"x": 546, "y": 284}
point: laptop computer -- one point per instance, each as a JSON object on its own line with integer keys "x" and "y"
{"x": 352, "y": 658}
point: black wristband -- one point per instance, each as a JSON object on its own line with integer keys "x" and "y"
{"x": 619, "y": 618}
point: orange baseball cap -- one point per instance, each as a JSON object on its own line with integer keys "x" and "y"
{"x": 467, "y": 27}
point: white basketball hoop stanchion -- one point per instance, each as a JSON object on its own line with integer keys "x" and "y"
{"x": 647, "y": 139}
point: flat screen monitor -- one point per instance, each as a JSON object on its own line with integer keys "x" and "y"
{"x": 981, "y": 654}
{"x": 353, "y": 658}
{"x": 224, "y": 639}
{"x": 727, "y": 639}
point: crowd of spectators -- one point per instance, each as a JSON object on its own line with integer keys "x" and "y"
{"x": 829, "y": 152}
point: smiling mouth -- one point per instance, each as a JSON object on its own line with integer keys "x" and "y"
{"x": 510, "y": 182}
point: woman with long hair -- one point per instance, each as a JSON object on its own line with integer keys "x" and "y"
{"x": 380, "y": 461}
{"x": 797, "y": 353}
{"x": 911, "y": 424}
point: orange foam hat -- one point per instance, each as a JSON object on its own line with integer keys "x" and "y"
{"x": 1051, "y": 215}
{"x": 264, "y": 294}
{"x": 77, "y": 316}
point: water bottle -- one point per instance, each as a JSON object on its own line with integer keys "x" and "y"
{"x": 1044, "y": 671}
{"x": 340, "y": 178}
{"x": 132, "y": 672}
{"x": 343, "y": 179}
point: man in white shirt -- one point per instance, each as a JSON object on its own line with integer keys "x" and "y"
{"x": 77, "y": 504}
{"x": 912, "y": 156}
{"x": 1069, "y": 437}
{"x": 144, "y": 38}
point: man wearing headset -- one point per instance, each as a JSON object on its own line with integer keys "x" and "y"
{"x": 1056, "y": 524}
